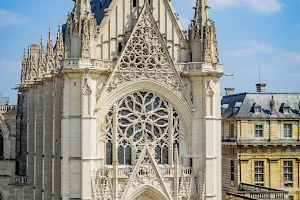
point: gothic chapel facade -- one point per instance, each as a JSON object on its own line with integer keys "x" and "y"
{"x": 125, "y": 106}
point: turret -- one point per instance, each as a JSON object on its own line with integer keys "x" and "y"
{"x": 202, "y": 35}
{"x": 80, "y": 29}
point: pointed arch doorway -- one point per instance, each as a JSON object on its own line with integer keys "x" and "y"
{"x": 146, "y": 196}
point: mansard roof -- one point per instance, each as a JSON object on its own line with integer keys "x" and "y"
{"x": 287, "y": 105}
{"x": 3, "y": 100}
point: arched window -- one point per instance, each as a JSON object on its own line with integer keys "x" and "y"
{"x": 1, "y": 145}
{"x": 142, "y": 117}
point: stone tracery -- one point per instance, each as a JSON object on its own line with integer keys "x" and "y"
{"x": 145, "y": 58}
{"x": 143, "y": 117}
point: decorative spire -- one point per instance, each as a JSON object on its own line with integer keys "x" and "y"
{"x": 201, "y": 12}
{"x": 202, "y": 35}
{"x": 42, "y": 58}
{"x": 50, "y": 54}
{"x": 24, "y": 66}
{"x": 49, "y": 43}
{"x": 81, "y": 7}
{"x": 59, "y": 47}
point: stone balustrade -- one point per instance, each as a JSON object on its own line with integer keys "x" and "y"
{"x": 198, "y": 67}
{"x": 20, "y": 180}
{"x": 8, "y": 108}
{"x": 260, "y": 192}
{"x": 125, "y": 172}
{"x": 233, "y": 196}
{"x": 107, "y": 65}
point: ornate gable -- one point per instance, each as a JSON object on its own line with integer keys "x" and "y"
{"x": 145, "y": 57}
{"x": 146, "y": 173}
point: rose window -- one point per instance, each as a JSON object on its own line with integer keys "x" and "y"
{"x": 142, "y": 117}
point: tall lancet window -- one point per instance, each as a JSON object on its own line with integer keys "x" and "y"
{"x": 142, "y": 118}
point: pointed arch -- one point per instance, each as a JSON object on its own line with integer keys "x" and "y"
{"x": 106, "y": 102}
{"x": 150, "y": 190}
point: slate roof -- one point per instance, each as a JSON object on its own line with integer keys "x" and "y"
{"x": 3, "y": 100}
{"x": 98, "y": 7}
{"x": 242, "y": 105}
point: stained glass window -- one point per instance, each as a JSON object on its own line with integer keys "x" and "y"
{"x": 142, "y": 117}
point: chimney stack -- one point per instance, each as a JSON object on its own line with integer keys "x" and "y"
{"x": 261, "y": 87}
{"x": 229, "y": 91}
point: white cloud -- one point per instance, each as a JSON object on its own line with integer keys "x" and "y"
{"x": 223, "y": 3}
{"x": 262, "y": 6}
{"x": 253, "y": 47}
{"x": 265, "y": 6}
{"x": 11, "y": 18}
{"x": 10, "y": 66}
{"x": 293, "y": 57}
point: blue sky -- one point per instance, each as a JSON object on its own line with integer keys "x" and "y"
{"x": 249, "y": 32}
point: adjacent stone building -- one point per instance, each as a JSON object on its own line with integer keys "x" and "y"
{"x": 126, "y": 105}
{"x": 11, "y": 185}
{"x": 260, "y": 140}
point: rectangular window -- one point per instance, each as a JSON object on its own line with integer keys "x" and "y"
{"x": 259, "y": 131}
{"x": 287, "y": 130}
{"x": 231, "y": 130}
{"x": 232, "y": 170}
{"x": 134, "y": 3}
{"x": 259, "y": 173}
{"x": 288, "y": 174}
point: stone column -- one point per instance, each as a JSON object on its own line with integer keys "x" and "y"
{"x": 65, "y": 139}
{"x": 48, "y": 137}
{"x": 56, "y": 159}
{"x": 197, "y": 141}
{"x": 88, "y": 133}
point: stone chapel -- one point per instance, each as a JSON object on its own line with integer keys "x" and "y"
{"x": 124, "y": 106}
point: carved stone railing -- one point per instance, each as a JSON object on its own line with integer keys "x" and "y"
{"x": 104, "y": 64}
{"x": 233, "y": 196}
{"x": 8, "y": 108}
{"x": 107, "y": 65}
{"x": 125, "y": 172}
{"x": 260, "y": 192}
{"x": 198, "y": 67}
{"x": 75, "y": 63}
{"x": 20, "y": 180}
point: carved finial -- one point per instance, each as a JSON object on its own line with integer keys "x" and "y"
{"x": 24, "y": 56}
{"x": 42, "y": 58}
{"x": 49, "y": 43}
{"x": 59, "y": 47}
{"x": 24, "y": 66}
{"x": 42, "y": 46}
{"x": 50, "y": 54}
{"x": 201, "y": 12}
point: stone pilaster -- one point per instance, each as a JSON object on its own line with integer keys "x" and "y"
{"x": 48, "y": 137}
{"x": 39, "y": 141}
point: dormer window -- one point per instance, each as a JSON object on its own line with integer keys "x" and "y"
{"x": 257, "y": 109}
{"x": 286, "y": 110}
